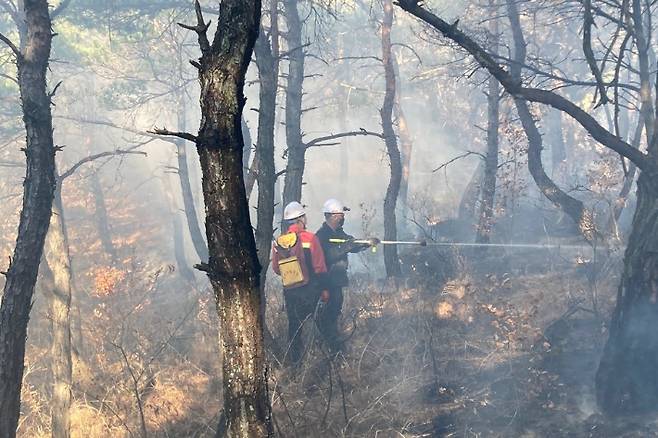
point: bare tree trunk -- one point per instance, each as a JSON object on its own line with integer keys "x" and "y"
{"x": 406, "y": 142}
{"x": 267, "y": 59}
{"x": 558, "y": 148}
{"x": 491, "y": 161}
{"x": 626, "y": 380}
{"x": 391, "y": 261}
{"x": 189, "y": 207}
{"x": 572, "y": 207}
{"x": 59, "y": 261}
{"x": 292, "y": 188}
{"x": 39, "y": 186}
{"x": 233, "y": 266}
{"x": 102, "y": 222}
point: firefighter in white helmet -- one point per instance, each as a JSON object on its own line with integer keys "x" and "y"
{"x": 298, "y": 258}
{"x": 337, "y": 265}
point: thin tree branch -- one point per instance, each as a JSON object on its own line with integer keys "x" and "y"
{"x": 589, "y": 54}
{"x": 201, "y": 29}
{"x": 319, "y": 141}
{"x": 164, "y": 131}
{"x": 11, "y": 45}
{"x": 516, "y": 89}
{"x": 90, "y": 158}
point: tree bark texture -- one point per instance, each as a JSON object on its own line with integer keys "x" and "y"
{"x": 488, "y": 192}
{"x": 39, "y": 186}
{"x": 233, "y": 266}
{"x": 59, "y": 261}
{"x": 296, "y": 152}
{"x": 391, "y": 261}
{"x": 267, "y": 60}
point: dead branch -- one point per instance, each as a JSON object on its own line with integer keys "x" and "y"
{"x": 459, "y": 157}
{"x": 91, "y": 158}
{"x": 201, "y": 29}
{"x": 516, "y": 89}
{"x": 184, "y": 135}
{"x": 11, "y": 45}
{"x": 319, "y": 141}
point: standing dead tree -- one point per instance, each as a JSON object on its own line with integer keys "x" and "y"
{"x": 625, "y": 380}
{"x": 391, "y": 260}
{"x": 233, "y": 267}
{"x": 32, "y": 63}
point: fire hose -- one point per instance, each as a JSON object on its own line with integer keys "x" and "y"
{"x": 376, "y": 242}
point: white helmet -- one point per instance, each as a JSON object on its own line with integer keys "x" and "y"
{"x": 293, "y": 211}
{"x": 334, "y": 206}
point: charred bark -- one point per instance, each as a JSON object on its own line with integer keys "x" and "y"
{"x": 296, "y": 151}
{"x": 626, "y": 381}
{"x": 391, "y": 261}
{"x": 483, "y": 234}
{"x": 233, "y": 266}
{"x": 39, "y": 186}
{"x": 59, "y": 261}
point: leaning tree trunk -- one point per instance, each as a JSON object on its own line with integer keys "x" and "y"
{"x": 391, "y": 261}
{"x": 491, "y": 160}
{"x": 572, "y": 207}
{"x": 59, "y": 261}
{"x": 292, "y": 187}
{"x": 39, "y": 186}
{"x": 233, "y": 266}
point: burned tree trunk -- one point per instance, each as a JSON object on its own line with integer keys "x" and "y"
{"x": 491, "y": 160}
{"x": 296, "y": 151}
{"x": 233, "y": 266}
{"x": 59, "y": 261}
{"x": 267, "y": 60}
{"x": 391, "y": 261}
{"x": 39, "y": 186}
{"x": 626, "y": 380}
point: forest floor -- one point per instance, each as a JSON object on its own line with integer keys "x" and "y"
{"x": 487, "y": 345}
{"x": 494, "y": 352}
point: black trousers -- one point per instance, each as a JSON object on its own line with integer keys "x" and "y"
{"x": 328, "y": 321}
{"x": 300, "y": 307}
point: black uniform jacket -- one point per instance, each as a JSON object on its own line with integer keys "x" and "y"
{"x": 335, "y": 254}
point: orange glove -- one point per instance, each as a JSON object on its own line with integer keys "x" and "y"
{"x": 324, "y": 296}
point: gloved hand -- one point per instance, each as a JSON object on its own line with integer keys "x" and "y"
{"x": 324, "y": 296}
